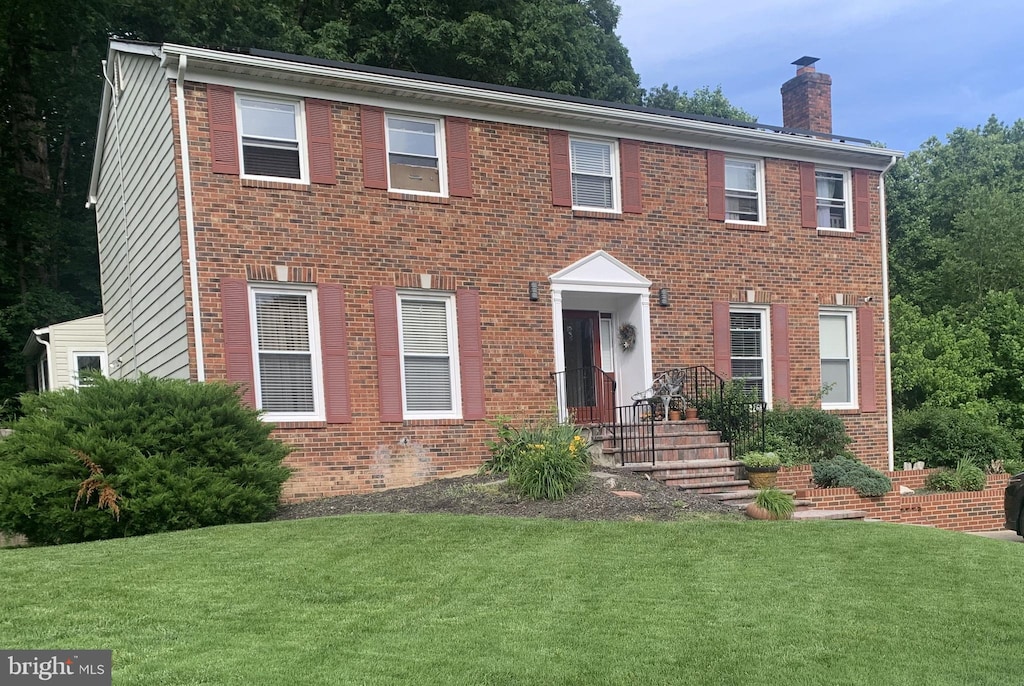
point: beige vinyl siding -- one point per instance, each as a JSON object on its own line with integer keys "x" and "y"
{"x": 78, "y": 335}
{"x": 141, "y": 273}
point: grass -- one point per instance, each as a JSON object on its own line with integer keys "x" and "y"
{"x": 382, "y": 599}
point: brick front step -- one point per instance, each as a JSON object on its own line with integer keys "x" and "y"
{"x": 714, "y": 488}
{"x": 681, "y": 464}
{"x": 741, "y": 503}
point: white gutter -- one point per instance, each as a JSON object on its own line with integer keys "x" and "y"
{"x": 190, "y": 225}
{"x": 885, "y": 315}
{"x": 484, "y": 97}
{"x": 48, "y": 381}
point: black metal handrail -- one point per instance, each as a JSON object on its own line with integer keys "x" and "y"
{"x": 587, "y": 394}
{"x": 633, "y": 433}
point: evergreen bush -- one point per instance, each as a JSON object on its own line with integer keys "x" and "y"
{"x": 942, "y": 436}
{"x": 158, "y": 455}
{"x": 844, "y": 472}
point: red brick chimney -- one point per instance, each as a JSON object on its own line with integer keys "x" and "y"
{"x": 807, "y": 99}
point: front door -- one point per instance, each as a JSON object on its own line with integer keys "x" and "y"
{"x": 589, "y": 391}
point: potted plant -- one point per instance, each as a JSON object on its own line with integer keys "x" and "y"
{"x": 762, "y": 468}
{"x": 771, "y": 503}
{"x": 675, "y": 409}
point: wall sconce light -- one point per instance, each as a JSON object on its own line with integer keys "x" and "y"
{"x": 663, "y": 297}
{"x": 534, "y": 291}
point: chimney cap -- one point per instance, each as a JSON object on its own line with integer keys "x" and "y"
{"x": 805, "y": 61}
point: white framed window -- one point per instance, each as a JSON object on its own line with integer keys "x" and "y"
{"x": 271, "y": 132}
{"x": 288, "y": 376}
{"x": 416, "y": 160}
{"x": 749, "y": 349}
{"x": 836, "y": 331}
{"x": 744, "y": 191}
{"x": 84, "y": 362}
{"x": 429, "y": 355}
{"x": 832, "y": 190}
{"x": 595, "y": 174}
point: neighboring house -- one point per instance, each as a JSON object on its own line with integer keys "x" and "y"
{"x": 58, "y": 354}
{"x": 387, "y": 260}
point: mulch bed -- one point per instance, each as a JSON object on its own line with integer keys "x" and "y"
{"x": 594, "y": 500}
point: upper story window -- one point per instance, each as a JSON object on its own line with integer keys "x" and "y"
{"x": 836, "y": 341}
{"x": 288, "y": 381}
{"x": 744, "y": 191}
{"x": 594, "y": 165}
{"x": 415, "y": 155}
{"x": 270, "y": 132}
{"x": 832, "y": 203}
{"x": 429, "y": 359}
{"x": 748, "y": 338}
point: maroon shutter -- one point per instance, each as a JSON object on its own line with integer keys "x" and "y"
{"x": 375, "y": 154}
{"x": 471, "y": 356}
{"x": 234, "y": 302}
{"x": 561, "y": 172}
{"x": 808, "y": 196}
{"x": 220, "y": 103}
{"x": 389, "y": 369}
{"x": 716, "y": 186}
{"x": 333, "y": 347}
{"x": 631, "y": 181}
{"x": 866, "y": 358}
{"x": 321, "y": 142}
{"x": 722, "y": 339}
{"x": 780, "y": 352}
{"x": 460, "y": 172}
{"x": 861, "y": 202}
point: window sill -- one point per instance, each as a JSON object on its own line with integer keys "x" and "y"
{"x": 842, "y": 411}
{"x": 759, "y": 228}
{"x": 836, "y": 233}
{"x": 433, "y": 422}
{"x": 595, "y": 214}
{"x": 413, "y": 197}
{"x": 318, "y": 424}
{"x": 276, "y": 185}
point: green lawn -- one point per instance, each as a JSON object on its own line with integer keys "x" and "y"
{"x": 469, "y": 600}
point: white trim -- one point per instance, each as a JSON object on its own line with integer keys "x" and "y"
{"x": 885, "y": 315}
{"x": 313, "y": 326}
{"x": 847, "y": 198}
{"x": 301, "y": 139}
{"x": 764, "y": 312}
{"x": 453, "y": 353}
{"x": 439, "y": 145}
{"x": 850, "y": 315}
{"x": 758, "y": 163}
{"x": 73, "y": 356}
{"x": 190, "y": 230}
{"x": 616, "y": 174}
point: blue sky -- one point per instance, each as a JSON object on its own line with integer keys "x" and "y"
{"x": 902, "y": 70}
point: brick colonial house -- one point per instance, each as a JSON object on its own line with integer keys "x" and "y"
{"x": 385, "y": 260}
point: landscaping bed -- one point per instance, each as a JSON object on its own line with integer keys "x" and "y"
{"x": 595, "y": 499}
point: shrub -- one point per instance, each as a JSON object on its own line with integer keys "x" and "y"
{"x": 731, "y": 413}
{"x": 814, "y": 433}
{"x": 965, "y": 477}
{"x": 844, "y": 472}
{"x": 1013, "y": 466}
{"x": 942, "y": 436}
{"x": 552, "y": 466}
{"x": 778, "y": 504}
{"x": 760, "y": 460}
{"x": 159, "y": 455}
{"x": 509, "y": 446}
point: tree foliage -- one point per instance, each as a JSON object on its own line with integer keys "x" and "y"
{"x": 704, "y": 101}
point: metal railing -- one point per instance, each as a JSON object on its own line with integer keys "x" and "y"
{"x": 633, "y": 433}
{"x": 586, "y": 395}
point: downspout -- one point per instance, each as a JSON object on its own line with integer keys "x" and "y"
{"x": 885, "y": 316}
{"x": 114, "y": 98}
{"x": 190, "y": 225}
{"x": 49, "y": 362}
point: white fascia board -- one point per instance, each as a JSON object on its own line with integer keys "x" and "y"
{"x": 606, "y": 120}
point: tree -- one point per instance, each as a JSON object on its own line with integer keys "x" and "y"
{"x": 704, "y": 101}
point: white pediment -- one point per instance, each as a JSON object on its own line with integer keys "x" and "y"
{"x": 599, "y": 269}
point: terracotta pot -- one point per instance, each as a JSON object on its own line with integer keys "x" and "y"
{"x": 674, "y": 415}
{"x": 691, "y": 413}
{"x": 755, "y": 511}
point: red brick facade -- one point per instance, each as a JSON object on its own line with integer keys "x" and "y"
{"x": 506, "y": 235}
